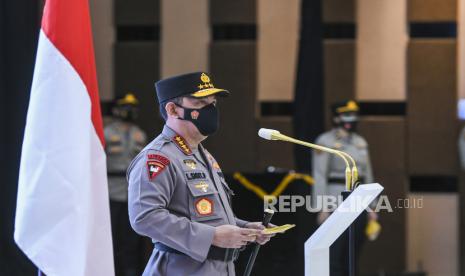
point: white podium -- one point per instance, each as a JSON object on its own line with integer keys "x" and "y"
{"x": 317, "y": 246}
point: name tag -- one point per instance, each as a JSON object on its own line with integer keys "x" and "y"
{"x": 195, "y": 175}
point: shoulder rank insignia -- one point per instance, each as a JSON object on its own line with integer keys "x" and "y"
{"x": 204, "y": 206}
{"x": 213, "y": 161}
{"x": 216, "y": 166}
{"x": 190, "y": 163}
{"x": 182, "y": 144}
{"x": 156, "y": 164}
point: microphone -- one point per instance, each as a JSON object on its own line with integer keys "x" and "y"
{"x": 268, "y": 134}
{"x": 351, "y": 174}
{"x": 266, "y": 220}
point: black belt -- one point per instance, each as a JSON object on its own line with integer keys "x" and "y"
{"x": 215, "y": 253}
{"x": 117, "y": 174}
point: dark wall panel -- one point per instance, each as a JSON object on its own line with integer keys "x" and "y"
{"x": 386, "y": 139}
{"x": 339, "y": 73}
{"x": 136, "y": 70}
{"x": 275, "y": 153}
{"x": 140, "y": 12}
{"x": 431, "y": 110}
{"x": 432, "y": 10}
{"x": 339, "y": 11}
{"x": 233, "y": 12}
{"x": 233, "y": 66}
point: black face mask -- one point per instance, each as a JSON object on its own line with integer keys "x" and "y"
{"x": 206, "y": 119}
{"x": 350, "y": 127}
{"x": 348, "y": 122}
{"x": 125, "y": 113}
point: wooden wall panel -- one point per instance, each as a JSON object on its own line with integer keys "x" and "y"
{"x": 432, "y": 235}
{"x": 137, "y": 69}
{"x": 236, "y": 12}
{"x": 339, "y": 73}
{"x": 278, "y": 26}
{"x": 141, "y": 12}
{"x": 386, "y": 140}
{"x": 432, "y": 10}
{"x": 184, "y": 21}
{"x": 337, "y": 11}
{"x": 233, "y": 67}
{"x": 275, "y": 153}
{"x": 381, "y": 50}
{"x": 103, "y": 30}
{"x": 432, "y": 107}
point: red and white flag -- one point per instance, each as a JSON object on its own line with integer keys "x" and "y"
{"x": 62, "y": 213}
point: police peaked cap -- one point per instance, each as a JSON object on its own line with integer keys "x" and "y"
{"x": 197, "y": 85}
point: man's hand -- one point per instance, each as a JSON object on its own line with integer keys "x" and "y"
{"x": 231, "y": 236}
{"x": 261, "y": 238}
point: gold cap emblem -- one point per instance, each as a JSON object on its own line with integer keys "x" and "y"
{"x": 205, "y": 82}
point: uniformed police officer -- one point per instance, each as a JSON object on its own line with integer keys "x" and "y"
{"x": 177, "y": 192}
{"x": 329, "y": 174}
{"x": 124, "y": 140}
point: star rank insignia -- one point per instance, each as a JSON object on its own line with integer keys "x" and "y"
{"x": 156, "y": 164}
{"x": 182, "y": 144}
{"x": 204, "y": 206}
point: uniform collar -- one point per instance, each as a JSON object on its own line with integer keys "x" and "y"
{"x": 177, "y": 139}
{"x": 343, "y": 135}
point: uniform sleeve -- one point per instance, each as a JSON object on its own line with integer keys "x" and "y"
{"x": 241, "y": 223}
{"x": 320, "y": 172}
{"x": 150, "y": 191}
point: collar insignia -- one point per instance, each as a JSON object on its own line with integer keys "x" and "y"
{"x": 182, "y": 144}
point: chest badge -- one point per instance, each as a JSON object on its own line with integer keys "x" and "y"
{"x": 190, "y": 164}
{"x": 204, "y": 206}
{"x": 203, "y": 186}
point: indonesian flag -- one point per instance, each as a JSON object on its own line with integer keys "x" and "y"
{"x": 62, "y": 213}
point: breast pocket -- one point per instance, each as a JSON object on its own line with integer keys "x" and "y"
{"x": 203, "y": 201}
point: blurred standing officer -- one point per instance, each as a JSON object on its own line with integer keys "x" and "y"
{"x": 329, "y": 175}
{"x": 124, "y": 140}
{"x": 177, "y": 192}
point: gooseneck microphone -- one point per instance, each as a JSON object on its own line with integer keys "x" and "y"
{"x": 351, "y": 174}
